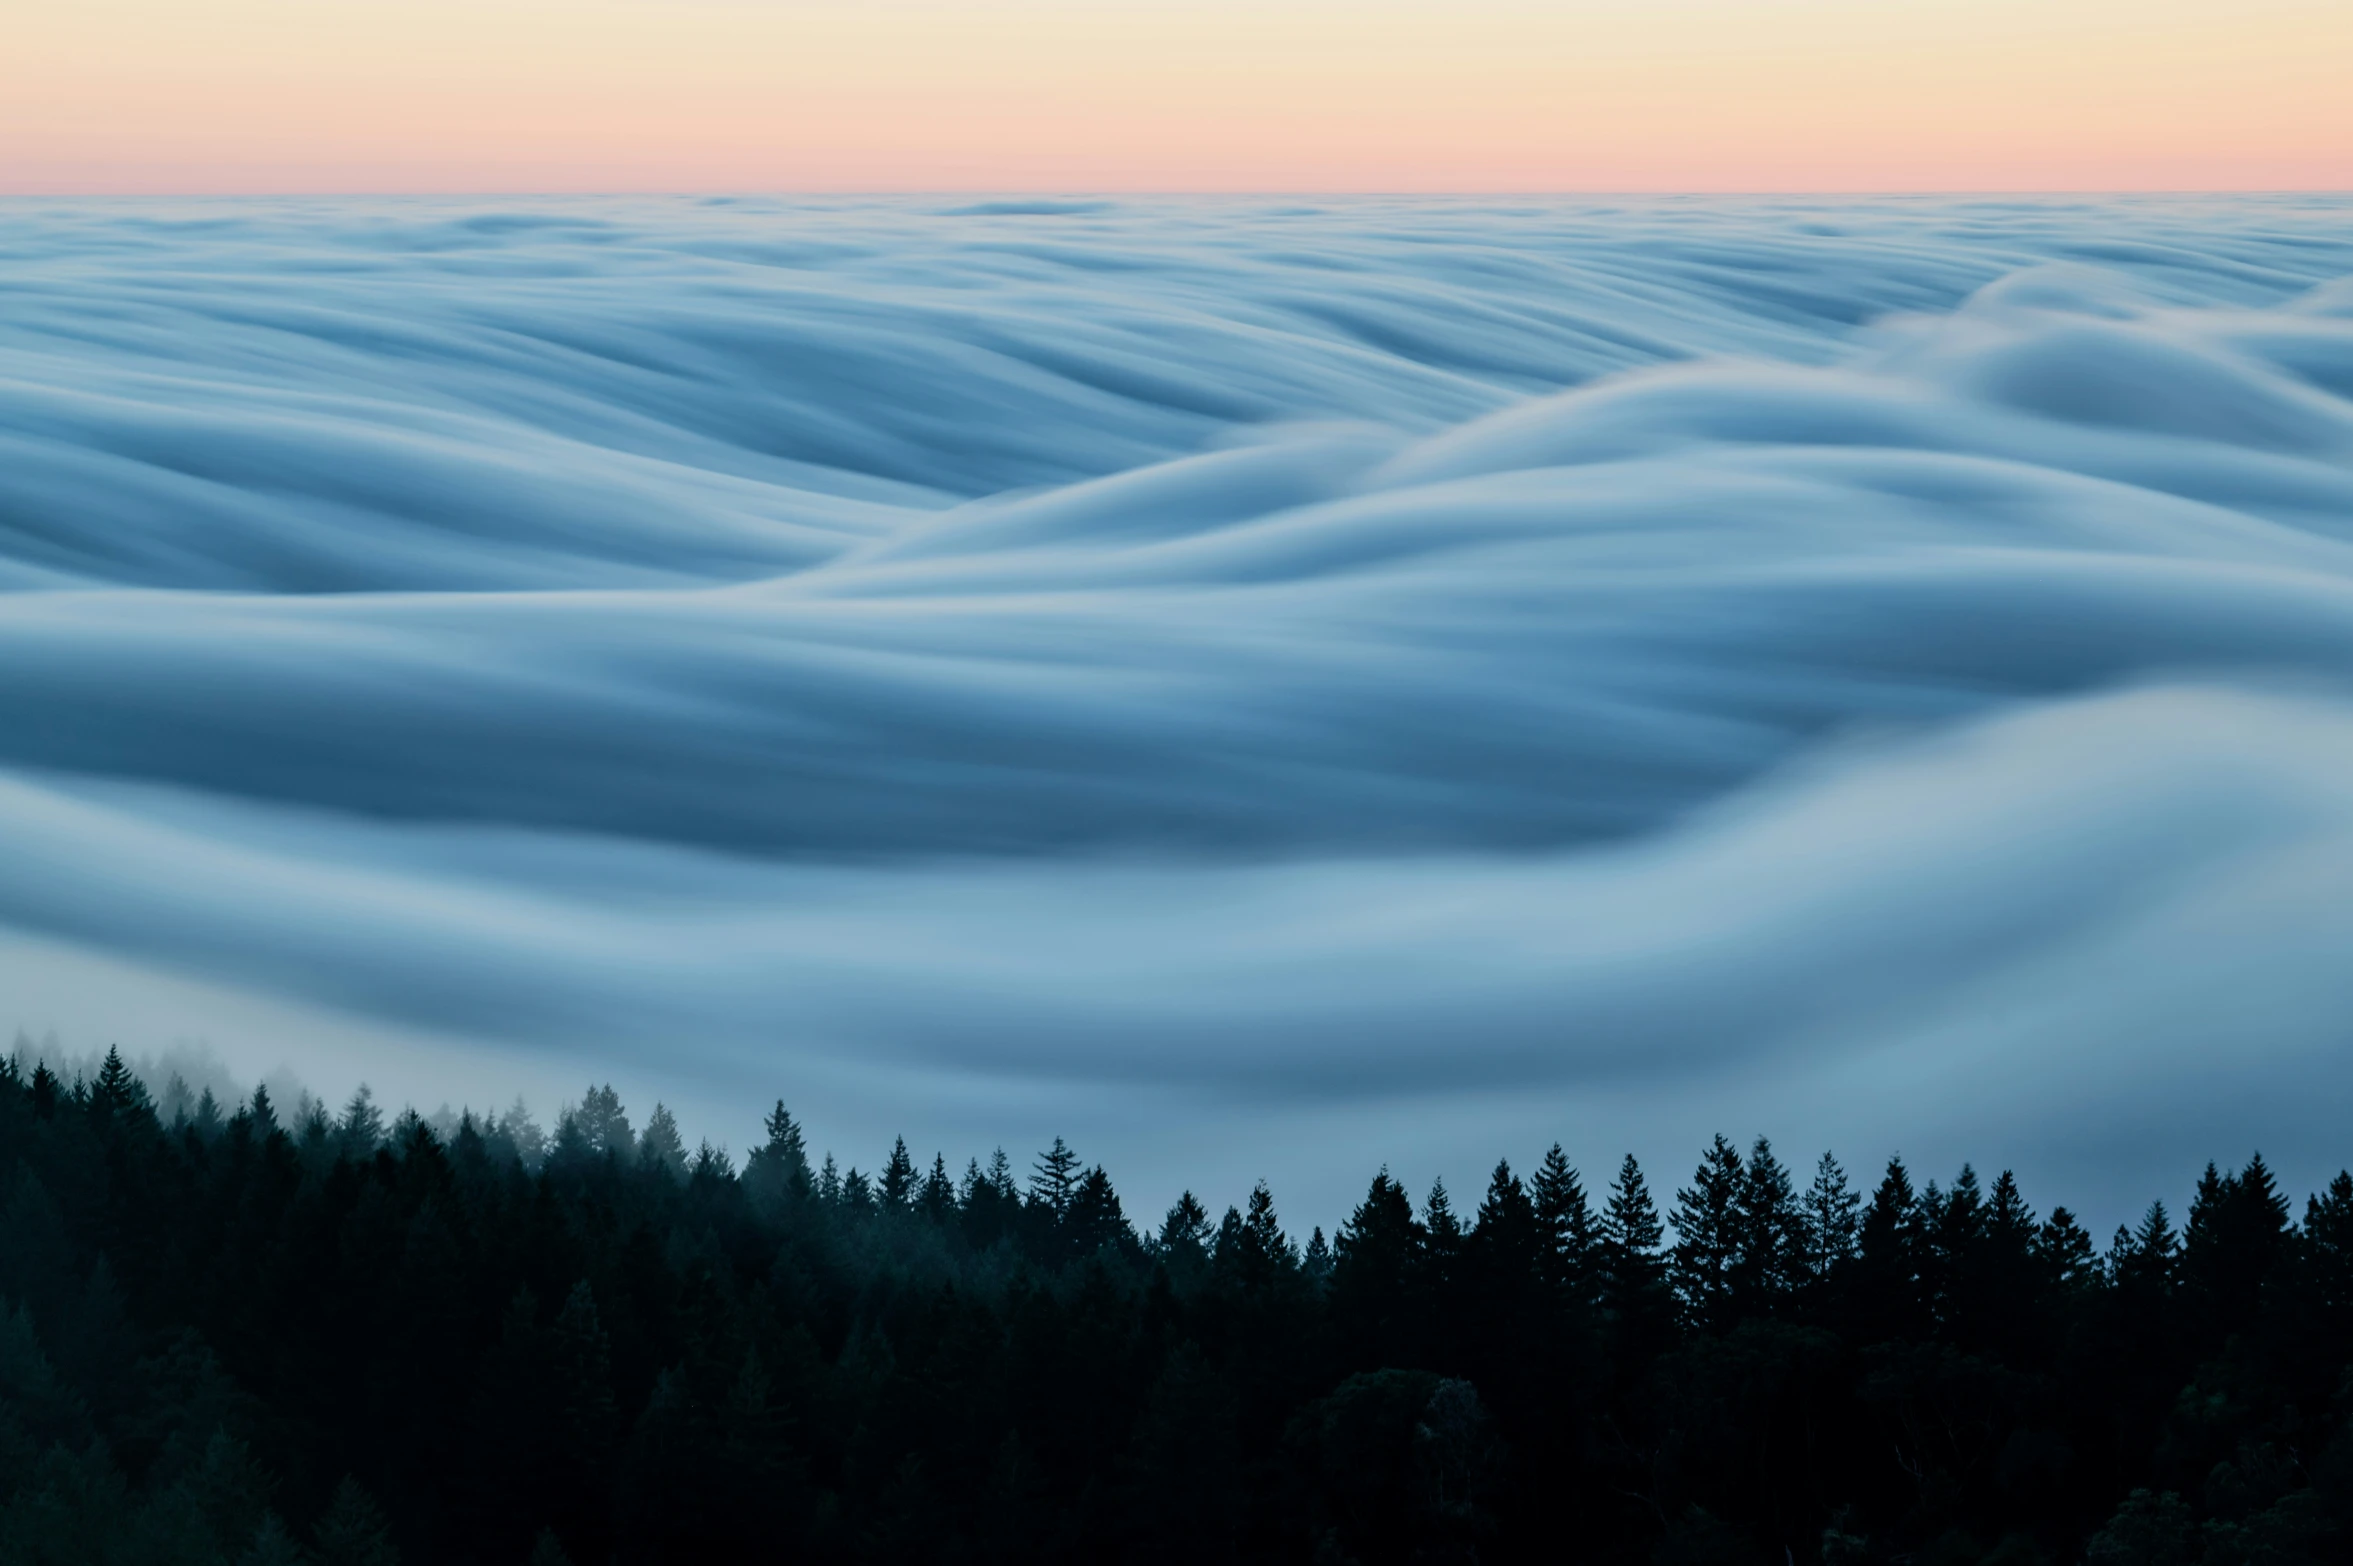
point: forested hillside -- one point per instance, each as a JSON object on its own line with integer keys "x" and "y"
{"x": 231, "y": 1338}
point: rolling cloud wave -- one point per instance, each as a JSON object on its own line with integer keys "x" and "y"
{"x": 1879, "y": 668}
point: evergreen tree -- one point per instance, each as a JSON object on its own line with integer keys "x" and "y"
{"x": 361, "y": 1131}
{"x": 1441, "y": 1237}
{"x": 938, "y": 1199}
{"x": 2065, "y": 1252}
{"x": 1252, "y": 1254}
{"x": 2235, "y": 1237}
{"x": 661, "y": 1147}
{"x": 116, "y": 1092}
{"x": 2144, "y": 1258}
{"x": 1262, "y": 1231}
{"x": 523, "y": 1134}
{"x": 1093, "y": 1218}
{"x": 1888, "y": 1291}
{"x": 1375, "y": 1270}
{"x": 352, "y": 1532}
{"x": 1053, "y": 1178}
{"x": 599, "y": 1127}
{"x": 1316, "y": 1260}
{"x": 897, "y": 1186}
{"x": 1830, "y": 1222}
{"x": 1769, "y": 1236}
{"x": 1504, "y": 1246}
{"x": 271, "y": 1545}
{"x": 1630, "y": 1235}
{"x": 1707, "y": 1236}
{"x": 1565, "y": 1225}
{"x": 1185, "y": 1231}
{"x": 779, "y": 1167}
{"x": 2009, "y": 1222}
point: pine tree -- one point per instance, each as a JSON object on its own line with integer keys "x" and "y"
{"x": 1565, "y": 1225}
{"x": 2064, "y": 1251}
{"x": 777, "y": 1171}
{"x": 601, "y": 1125}
{"x": 1252, "y": 1252}
{"x": 1441, "y": 1237}
{"x": 2009, "y": 1222}
{"x": 938, "y": 1200}
{"x": 117, "y": 1091}
{"x": 661, "y": 1147}
{"x": 352, "y": 1532}
{"x": 829, "y": 1183}
{"x": 361, "y": 1130}
{"x": 1505, "y": 1243}
{"x": 518, "y": 1131}
{"x": 271, "y": 1545}
{"x": 1380, "y": 1244}
{"x": 1093, "y": 1218}
{"x": 2235, "y": 1238}
{"x": 1185, "y": 1231}
{"x": 1316, "y": 1261}
{"x": 1830, "y": 1221}
{"x": 1707, "y": 1238}
{"x": 896, "y": 1189}
{"x": 1769, "y": 1234}
{"x": 1053, "y": 1178}
{"x": 2144, "y": 1258}
{"x": 2327, "y": 1253}
{"x": 1630, "y": 1235}
{"x": 1262, "y": 1231}
{"x": 1889, "y": 1262}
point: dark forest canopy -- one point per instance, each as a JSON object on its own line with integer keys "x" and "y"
{"x": 229, "y": 1339}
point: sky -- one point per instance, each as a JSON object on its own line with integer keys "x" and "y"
{"x": 291, "y": 96}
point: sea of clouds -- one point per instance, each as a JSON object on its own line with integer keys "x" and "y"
{"x": 1258, "y": 689}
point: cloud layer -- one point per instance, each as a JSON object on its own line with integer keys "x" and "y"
{"x": 1866, "y": 671}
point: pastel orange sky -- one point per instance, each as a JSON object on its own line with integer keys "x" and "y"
{"x": 104, "y": 96}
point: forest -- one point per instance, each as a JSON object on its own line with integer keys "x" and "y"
{"x": 237, "y": 1333}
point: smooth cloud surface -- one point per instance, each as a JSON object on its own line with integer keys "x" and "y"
{"x": 1257, "y": 689}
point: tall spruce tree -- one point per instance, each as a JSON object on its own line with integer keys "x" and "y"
{"x": 1565, "y": 1228}
{"x": 1053, "y": 1177}
{"x": 1707, "y": 1236}
{"x": 895, "y": 1191}
{"x": 1888, "y": 1294}
{"x": 937, "y": 1202}
{"x": 1504, "y": 1242}
{"x": 778, "y": 1169}
{"x": 1630, "y": 1236}
{"x": 1831, "y": 1223}
{"x": 1441, "y": 1237}
{"x": 1769, "y": 1231}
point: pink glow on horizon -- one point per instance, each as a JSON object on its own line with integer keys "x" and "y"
{"x": 232, "y": 96}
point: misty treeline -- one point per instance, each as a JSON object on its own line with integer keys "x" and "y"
{"x": 232, "y": 1337}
